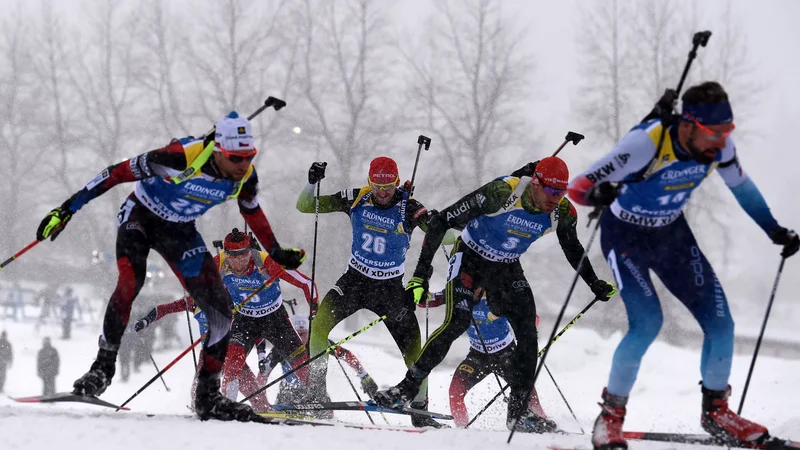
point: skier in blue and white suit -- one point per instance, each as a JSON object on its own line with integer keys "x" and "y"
{"x": 646, "y": 182}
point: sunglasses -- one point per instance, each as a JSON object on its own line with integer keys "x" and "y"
{"x": 711, "y": 134}
{"x": 237, "y": 253}
{"x": 238, "y": 156}
{"x": 382, "y": 187}
{"x": 551, "y": 191}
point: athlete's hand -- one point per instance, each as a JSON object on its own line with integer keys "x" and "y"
{"x": 263, "y": 368}
{"x": 316, "y": 172}
{"x": 603, "y": 290}
{"x": 788, "y": 239}
{"x": 433, "y": 300}
{"x": 289, "y": 258}
{"x": 53, "y": 223}
{"x": 602, "y": 194}
{"x": 369, "y": 386}
{"x": 416, "y": 289}
{"x": 145, "y": 321}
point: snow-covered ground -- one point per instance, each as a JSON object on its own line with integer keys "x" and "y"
{"x": 667, "y": 398}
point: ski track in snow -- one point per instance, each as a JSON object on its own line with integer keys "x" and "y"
{"x": 666, "y": 398}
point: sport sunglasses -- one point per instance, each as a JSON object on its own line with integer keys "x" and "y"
{"x": 711, "y": 134}
{"x": 382, "y": 187}
{"x": 238, "y": 156}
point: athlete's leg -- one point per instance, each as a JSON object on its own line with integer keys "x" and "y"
{"x": 687, "y": 273}
{"x": 469, "y": 373}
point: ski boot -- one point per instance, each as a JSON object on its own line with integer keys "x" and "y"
{"x": 421, "y": 421}
{"x": 211, "y": 404}
{"x": 98, "y": 378}
{"x": 401, "y": 395}
{"x": 530, "y": 422}
{"x": 607, "y": 432}
{"x": 725, "y": 425}
{"x": 314, "y": 394}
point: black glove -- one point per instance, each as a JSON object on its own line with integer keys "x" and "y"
{"x": 369, "y": 386}
{"x": 289, "y": 258}
{"x": 788, "y": 239}
{"x": 142, "y": 323}
{"x": 603, "y": 194}
{"x": 53, "y": 223}
{"x": 316, "y": 172}
{"x": 603, "y": 290}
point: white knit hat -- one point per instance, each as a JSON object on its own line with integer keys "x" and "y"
{"x": 234, "y": 133}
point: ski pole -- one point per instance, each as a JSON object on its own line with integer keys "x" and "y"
{"x": 156, "y": 366}
{"x": 423, "y": 141}
{"x": 564, "y": 398}
{"x": 315, "y": 357}
{"x": 761, "y": 334}
{"x": 198, "y": 341}
{"x": 355, "y": 391}
{"x": 541, "y": 352}
{"x": 584, "y": 259}
{"x": 18, "y": 254}
{"x": 189, "y": 325}
{"x": 312, "y": 307}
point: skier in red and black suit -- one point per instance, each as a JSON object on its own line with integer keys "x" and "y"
{"x": 176, "y": 185}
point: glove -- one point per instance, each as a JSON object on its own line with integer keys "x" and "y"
{"x": 602, "y": 194}
{"x": 142, "y": 323}
{"x": 416, "y": 289}
{"x": 263, "y": 368}
{"x": 316, "y": 172}
{"x": 369, "y": 386}
{"x": 603, "y": 290}
{"x": 788, "y": 239}
{"x": 289, "y": 258}
{"x": 53, "y": 223}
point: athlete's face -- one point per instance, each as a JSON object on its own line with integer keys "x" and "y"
{"x": 232, "y": 165}
{"x": 240, "y": 263}
{"x": 704, "y": 141}
{"x": 383, "y": 193}
{"x": 545, "y": 197}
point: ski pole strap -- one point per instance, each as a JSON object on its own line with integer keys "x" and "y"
{"x": 328, "y": 350}
{"x": 18, "y": 254}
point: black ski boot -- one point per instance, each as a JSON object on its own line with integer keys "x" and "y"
{"x": 401, "y": 395}
{"x": 98, "y": 378}
{"x": 211, "y": 404}
{"x": 421, "y": 421}
{"x": 530, "y": 422}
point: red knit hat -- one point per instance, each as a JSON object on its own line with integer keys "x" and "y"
{"x": 553, "y": 172}
{"x": 383, "y": 170}
{"x": 236, "y": 242}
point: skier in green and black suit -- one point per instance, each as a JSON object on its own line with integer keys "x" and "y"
{"x": 500, "y": 221}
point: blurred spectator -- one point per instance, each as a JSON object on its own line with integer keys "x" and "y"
{"x": 68, "y": 304}
{"x": 6, "y": 358}
{"x": 16, "y": 302}
{"x": 47, "y": 363}
{"x": 45, "y": 299}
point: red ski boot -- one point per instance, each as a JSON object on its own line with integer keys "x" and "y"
{"x": 722, "y": 423}
{"x": 607, "y": 433}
